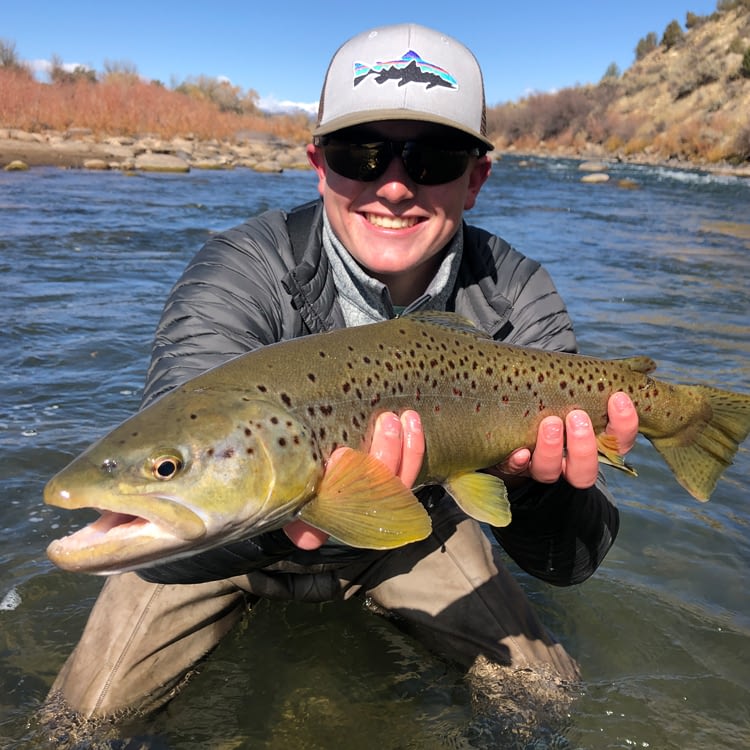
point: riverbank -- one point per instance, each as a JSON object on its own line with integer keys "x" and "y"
{"x": 81, "y": 149}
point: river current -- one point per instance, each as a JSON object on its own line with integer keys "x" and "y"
{"x": 662, "y": 630}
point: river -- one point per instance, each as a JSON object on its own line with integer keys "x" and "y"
{"x": 662, "y": 630}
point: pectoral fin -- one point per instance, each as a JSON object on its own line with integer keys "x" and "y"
{"x": 362, "y": 504}
{"x": 609, "y": 454}
{"x": 481, "y": 496}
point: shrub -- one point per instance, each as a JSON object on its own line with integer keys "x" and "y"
{"x": 693, "y": 21}
{"x": 745, "y": 65}
{"x": 673, "y": 35}
{"x": 612, "y": 71}
{"x": 741, "y": 146}
{"x": 645, "y": 45}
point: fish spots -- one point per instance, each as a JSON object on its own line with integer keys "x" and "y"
{"x": 311, "y": 377}
{"x": 285, "y": 399}
{"x": 262, "y": 388}
{"x": 193, "y": 416}
{"x": 227, "y": 453}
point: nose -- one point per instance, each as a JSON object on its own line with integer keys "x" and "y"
{"x": 395, "y": 185}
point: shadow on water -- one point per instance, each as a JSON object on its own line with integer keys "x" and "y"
{"x": 662, "y": 631}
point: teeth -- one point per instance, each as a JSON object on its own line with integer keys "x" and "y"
{"x": 391, "y": 222}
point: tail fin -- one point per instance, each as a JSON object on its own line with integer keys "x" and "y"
{"x": 699, "y": 454}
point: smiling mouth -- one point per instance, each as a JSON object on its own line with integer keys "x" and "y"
{"x": 391, "y": 222}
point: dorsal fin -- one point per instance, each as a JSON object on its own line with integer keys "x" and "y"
{"x": 447, "y": 320}
{"x": 642, "y": 364}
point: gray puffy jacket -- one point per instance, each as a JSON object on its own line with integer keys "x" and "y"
{"x": 269, "y": 280}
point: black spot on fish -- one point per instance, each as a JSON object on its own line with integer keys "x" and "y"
{"x": 248, "y": 431}
{"x": 600, "y": 386}
{"x": 262, "y": 389}
{"x": 282, "y": 442}
{"x": 346, "y": 387}
{"x": 210, "y": 452}
{"x": 228, "y": 453}
{"x": 274, "y": 420}
{"x": 250, "y": 451}
{"x": 326, "y": 410}
{"x": 193, "y": 416}
{"x": 285, "y": 398}
{"x": 311, "y": 377}
{"x": 322, "y": 355}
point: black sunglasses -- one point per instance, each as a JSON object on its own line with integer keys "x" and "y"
{"x": 426, "y": 163}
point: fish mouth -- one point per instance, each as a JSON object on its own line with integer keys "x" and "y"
{"x": 132, "y": 531}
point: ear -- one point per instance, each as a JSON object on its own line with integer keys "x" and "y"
{"x": 318, "y": 163}
{"x": 479, "y": 174}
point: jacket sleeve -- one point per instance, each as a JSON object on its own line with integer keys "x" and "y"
{"x": 558, "y": 533}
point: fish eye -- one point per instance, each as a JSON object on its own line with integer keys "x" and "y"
{"x": 166, "y": 467}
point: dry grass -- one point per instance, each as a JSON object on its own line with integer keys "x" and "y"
{"x": 129, "y": 107}
{"x": 689, "y": 102}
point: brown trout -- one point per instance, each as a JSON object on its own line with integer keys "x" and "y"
{"x": 242, "y": 448}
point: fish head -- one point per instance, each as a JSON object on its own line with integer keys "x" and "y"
{"x": 195, "y": 470}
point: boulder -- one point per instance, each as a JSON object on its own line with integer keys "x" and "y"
{"x": 16, "y": 166}
{"x": 595, "y": 177}
{"x": 150, "y": 162}
{"x": 96, "y": 164}
{"x": 592, "y": 166}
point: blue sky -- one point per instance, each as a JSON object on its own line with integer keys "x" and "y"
{"x": 281, "y": 49}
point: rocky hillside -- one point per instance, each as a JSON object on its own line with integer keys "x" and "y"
{"x": 686, "y": 99}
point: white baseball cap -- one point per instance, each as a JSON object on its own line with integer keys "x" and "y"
{"x": 404, "y": 72}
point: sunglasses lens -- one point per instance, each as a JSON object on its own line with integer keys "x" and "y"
{"x": 431, "y": 165}
{"x": 426, "y": 164}
{"x": 358, "y": 161}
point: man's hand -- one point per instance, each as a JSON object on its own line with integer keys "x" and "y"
{"x": 564, "y": 448}
{"x": 398, "y": 443}
{"x": 568, "y": 448}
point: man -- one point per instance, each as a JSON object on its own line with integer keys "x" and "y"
{"x": 400, "y": 154}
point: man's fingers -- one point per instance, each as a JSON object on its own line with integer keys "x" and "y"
{"x": 412, "y": 448}
{"x": 623, "y": 420}
{"x": 387, "y": 441}
{"x": 305, "y": 536}
{"x": 581, "y": 466}
{"x": 546, "y": 460}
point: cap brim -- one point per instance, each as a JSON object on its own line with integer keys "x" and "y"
{"x": 369, "y": 116}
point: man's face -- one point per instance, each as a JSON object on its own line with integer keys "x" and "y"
{"x": 393, "y": 227}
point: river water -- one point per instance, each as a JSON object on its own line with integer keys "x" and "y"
{"x": 662, "y": 630}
